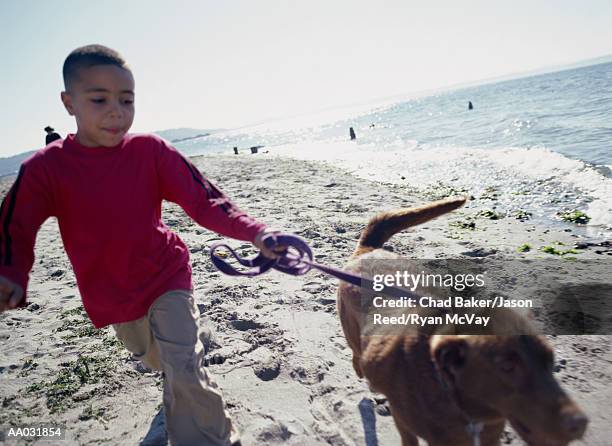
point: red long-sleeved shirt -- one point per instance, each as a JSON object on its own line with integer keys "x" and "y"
{"x": 108, "y": 206}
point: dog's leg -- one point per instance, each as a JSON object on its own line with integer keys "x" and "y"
{"x": 357, "y": 366}
{"x": 491, "y": 434}
{"x": 408, "y": 438}
{"x": 406, "y": 435}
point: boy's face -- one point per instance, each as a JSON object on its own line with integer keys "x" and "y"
{"x": 101, "y": 99}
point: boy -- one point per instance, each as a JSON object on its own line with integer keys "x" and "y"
{"x": 105, "y": 188}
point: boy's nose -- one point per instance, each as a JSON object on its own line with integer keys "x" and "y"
{"x": 116, "y": 109}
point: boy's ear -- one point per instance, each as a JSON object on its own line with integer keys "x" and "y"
{"x": 67, "y": 100}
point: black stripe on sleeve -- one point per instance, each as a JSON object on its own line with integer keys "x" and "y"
{"x": 211, "y": 190}
{"x": 6, "y": 221}
{"x": 2, "y": 213}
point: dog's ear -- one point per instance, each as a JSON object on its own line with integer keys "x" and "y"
{"x": 449, "y": 353}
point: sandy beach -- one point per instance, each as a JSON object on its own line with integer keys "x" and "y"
{"x": 278, "y": 351}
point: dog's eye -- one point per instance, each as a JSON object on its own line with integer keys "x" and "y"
{"x": 508, "y": 363}
{"x": 507, "y": 366}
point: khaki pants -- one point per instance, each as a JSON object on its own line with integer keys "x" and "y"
{"x": 167, "y": 339}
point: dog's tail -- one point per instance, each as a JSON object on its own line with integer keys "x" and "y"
{"x": 384, "y": 225}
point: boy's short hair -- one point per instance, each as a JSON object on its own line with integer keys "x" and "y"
{"x": 88, "y": 56}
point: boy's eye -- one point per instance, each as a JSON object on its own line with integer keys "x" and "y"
{"x": 98, "y": 101}
{"x": 128, "y": 101}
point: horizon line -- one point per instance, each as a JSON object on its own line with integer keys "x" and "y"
{"x": 557, "y": 68}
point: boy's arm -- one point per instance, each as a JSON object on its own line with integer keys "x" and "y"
{"x": 24, "y": 209}
{"x": 182, "y": 183}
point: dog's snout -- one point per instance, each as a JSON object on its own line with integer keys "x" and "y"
{"x": 574, "y": 424}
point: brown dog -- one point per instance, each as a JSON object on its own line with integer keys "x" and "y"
{"x": 440, "y": 386}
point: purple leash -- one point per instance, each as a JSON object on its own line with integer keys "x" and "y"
{"x": 296, "y": 260}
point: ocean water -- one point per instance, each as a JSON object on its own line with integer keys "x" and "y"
{"x": 542, "y": 144}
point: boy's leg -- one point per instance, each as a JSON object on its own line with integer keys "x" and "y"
{"x": 138, "y": 338}
{"x": 195, "y": 412}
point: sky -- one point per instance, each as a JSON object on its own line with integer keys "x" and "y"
{"x": 228, "y": 63}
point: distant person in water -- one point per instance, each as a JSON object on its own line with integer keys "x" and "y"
{"x": 235, "y": 150}
{"x": 352, "y": 134}
{"x": 51, "y": 135}
{"x": 470, "y": 106}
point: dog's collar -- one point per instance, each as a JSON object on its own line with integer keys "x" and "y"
{"x": 474, "y": 429}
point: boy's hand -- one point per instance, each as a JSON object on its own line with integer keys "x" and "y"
{"x": 269, "y": 253}
{"x": 11, "y": 294}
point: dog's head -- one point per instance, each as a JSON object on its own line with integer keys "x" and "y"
{"x": 513, "y": 376}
